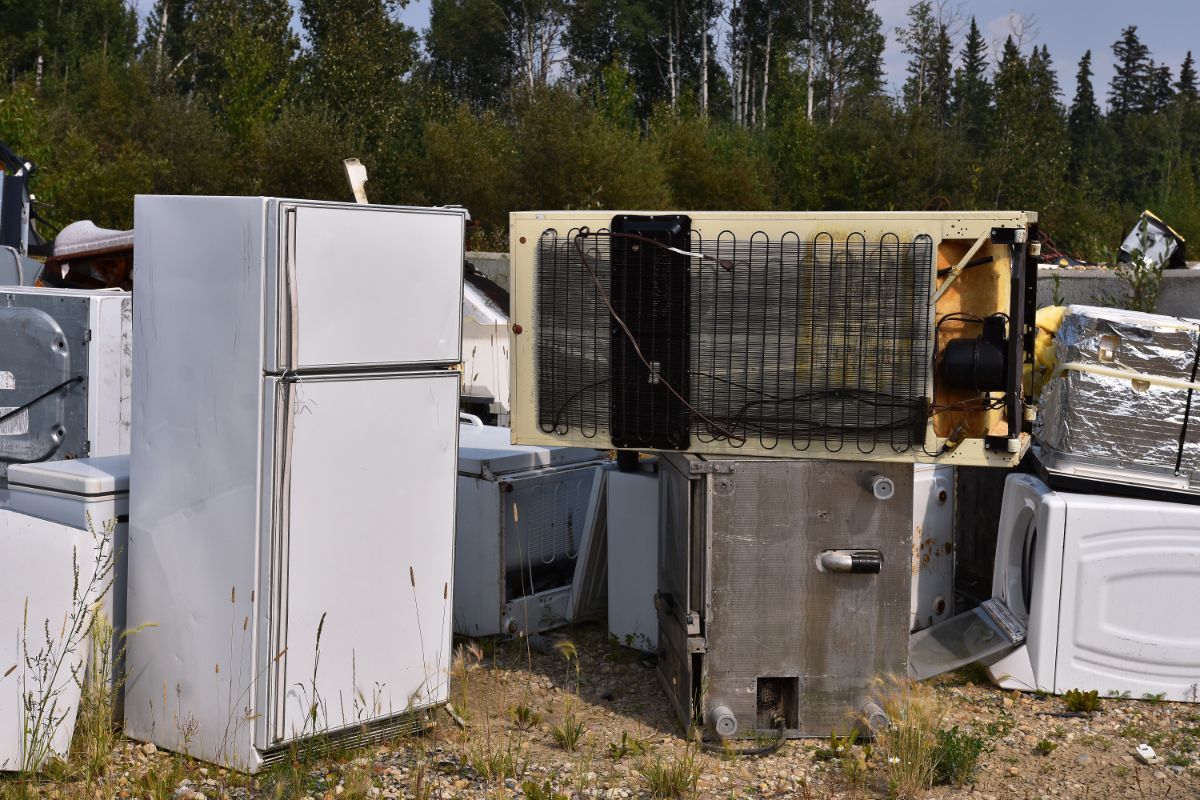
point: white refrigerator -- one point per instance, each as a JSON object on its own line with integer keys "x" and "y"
{"x": 292, "y": 476}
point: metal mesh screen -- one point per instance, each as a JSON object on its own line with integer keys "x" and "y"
{"x": 785, "y": 341}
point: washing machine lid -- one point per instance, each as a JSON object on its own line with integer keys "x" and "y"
{"x": 487, "y": 450}
{"x": 89, "y": 477}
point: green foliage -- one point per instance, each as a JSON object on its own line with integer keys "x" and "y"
{"x": 672, "y": 776}
{"x": 1045, "y": 747}
{"x": 543, "y": 791}
{"x": 1077, "y": 700}
{"x": 628, "y": 746}
{"x": 524, "y": 717}
{"x": 956, "y": 756}
{"x": 568, "y": 733}
{"x": 589, "y": 104}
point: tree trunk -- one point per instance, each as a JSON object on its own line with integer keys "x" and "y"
{"x": 747, "y": 87}
{"x": 811, "y": 55}
{"x": 704, "y": 60}
{"x": 766, "y": 72}
{"x": 831, "y": 90}
{"x": 735, "y": 86}
{"x": 159, "y": 41}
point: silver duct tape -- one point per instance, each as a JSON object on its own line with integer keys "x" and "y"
{"x": 1135, "y": 427}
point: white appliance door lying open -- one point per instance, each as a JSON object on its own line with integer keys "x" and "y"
{"x": 363, "y": 549}
{"x": 365, "y": 286}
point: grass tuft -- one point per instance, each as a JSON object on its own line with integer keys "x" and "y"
{"x": 909, "y": 745}
{"x": 568, "y": 733}
{"x": 672, "y": 777}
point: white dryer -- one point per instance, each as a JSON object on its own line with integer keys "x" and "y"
{"x": 1106, "y": 587}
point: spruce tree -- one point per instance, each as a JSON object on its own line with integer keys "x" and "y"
{"x": 1160, "y": 91}
{"x": 1129, "y": 89}
{"x": 971, "y": 92}
{"x": 1083, "y": 122}
{"x": 1185, "y": 87}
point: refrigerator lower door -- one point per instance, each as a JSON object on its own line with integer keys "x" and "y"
{"x": 399, "y": 270}
{"x": 362, "y": 548}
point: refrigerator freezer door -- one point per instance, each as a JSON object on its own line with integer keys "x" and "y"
{"x": 363, "y": 549}
{"x": 366, "y": 286}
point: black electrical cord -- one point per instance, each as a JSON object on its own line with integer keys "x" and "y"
{"x": 975, "y": 262}
{"x": 15, "y": 411}
{"x": 747, "y": 752}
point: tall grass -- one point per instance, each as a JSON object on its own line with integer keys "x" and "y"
{"x": 909, "y": 744}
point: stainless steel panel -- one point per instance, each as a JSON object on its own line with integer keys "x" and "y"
{"x": 772, "y": 620}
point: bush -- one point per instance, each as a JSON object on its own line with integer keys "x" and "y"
{"x": 956, "y": 756}
{"x": 1077, "y": 700}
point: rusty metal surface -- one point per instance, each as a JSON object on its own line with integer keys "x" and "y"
{"x": 770, "y": 613}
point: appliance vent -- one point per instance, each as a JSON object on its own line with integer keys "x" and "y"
{"x": 649, "y": 335}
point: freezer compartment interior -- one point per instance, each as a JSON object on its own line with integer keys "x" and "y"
{"x": 784, "y": 590}
{"x": 530, "y": 534}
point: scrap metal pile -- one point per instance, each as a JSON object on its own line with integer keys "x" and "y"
{"x": 799, "y": 404}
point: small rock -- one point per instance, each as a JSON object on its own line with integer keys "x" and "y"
{"x": 1013, "y": 771}
{"x": 149, "y": 749}
{"x": 1007, "y": 702}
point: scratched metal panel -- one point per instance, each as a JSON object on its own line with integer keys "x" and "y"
{"x": 774, "y": 614}
{"x": 45, "y": 346}
{"x": 675, "y": 527}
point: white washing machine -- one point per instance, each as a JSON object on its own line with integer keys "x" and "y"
{"x": 1104, "y": 585}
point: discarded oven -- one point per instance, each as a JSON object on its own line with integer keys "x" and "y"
{"x": 65, "y": 374}
{"x": 1119, "y": 413}
{"x": 529, "y": 537}
{"x": 783, "y": 590}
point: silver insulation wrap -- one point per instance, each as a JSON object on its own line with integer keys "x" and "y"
{"x": 1140, "y": 428}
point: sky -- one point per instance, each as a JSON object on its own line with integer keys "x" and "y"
{"x": 1067, "y": 27}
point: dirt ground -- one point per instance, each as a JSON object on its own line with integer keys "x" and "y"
{"x": 513, "y": 698}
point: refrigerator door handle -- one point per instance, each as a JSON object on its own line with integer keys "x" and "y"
{"x": 288, "y": 329}
{"x": 285, "y": 411}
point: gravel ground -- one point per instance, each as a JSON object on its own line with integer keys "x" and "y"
{"x": 513, "y": 698}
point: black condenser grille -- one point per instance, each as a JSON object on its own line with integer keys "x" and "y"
{"x": 654, "y": 336}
